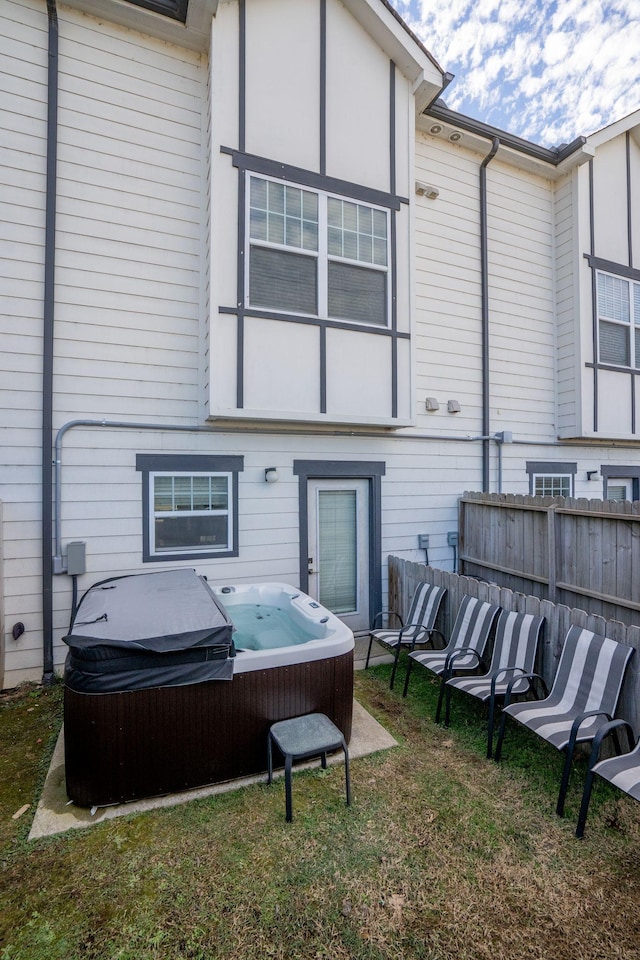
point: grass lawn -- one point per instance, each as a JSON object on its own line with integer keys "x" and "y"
{"x": 443, "y": 855}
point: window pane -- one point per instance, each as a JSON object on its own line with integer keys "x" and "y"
{"x": 350, "y": 250}
{"x": 309, "y": 235}
{"x": 275, "y": 231}
{"x": 616, "y": 492}
{"x": 379, "y": 224}
{"x": 293, "y": 236}
{"x": 310, "y": 206}
{"x": 275, "y": 192}
{"x": 182, "y": 493}
{"x": 283, "y": 281}
{"x": 201, "y": 493}
{"x": 365, "y": 250}
{"x": 163, "y": 493}
{"x": 613, "y": 297}
{"x": 335, "y": 242}
{"x": 365, "y": 221}
{"x": 552, "y": 486}
{"x": 350, "y": 214}
{"x": 338, "y": 550}
{"x": 194, "y": 533}
{"x": 294, "y": 202}
{"x": 258, "y": 193}
{"x": 356, "y": 293}
{"x": 614, "y": 344}
{"x": 219, "y": 493}
{"x": 258, "y": 225}
{"x": 380, "y": 252}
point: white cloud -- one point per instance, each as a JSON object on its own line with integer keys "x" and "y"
{"x": 548, "y": 70}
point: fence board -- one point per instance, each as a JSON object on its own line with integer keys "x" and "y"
{"x": 405, "y": 575}
{"x": 585, "y": 553}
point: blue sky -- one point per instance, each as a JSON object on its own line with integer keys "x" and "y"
{"x": 545, "y": 71}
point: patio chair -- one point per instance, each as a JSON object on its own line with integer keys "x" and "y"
{"x": 423, "y": 613}
{"x": 622, "y": 771}
{"x": 583, "y": 697}
{"x": 465, "y": 649}
{"x": 514, "y": 653}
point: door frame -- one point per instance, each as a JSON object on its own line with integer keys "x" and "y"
{"x": 370, "y": 470}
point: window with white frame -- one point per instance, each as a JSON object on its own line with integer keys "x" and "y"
{"x": 315, "y": 254}
{"x": 189, "y": 506}
{"x": 550, "y": 485}
{"x": 551, "y": 479}
{"x": 618, "y": 301}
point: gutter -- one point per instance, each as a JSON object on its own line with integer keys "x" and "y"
{"x": 552, "y": 155}
{"x": 484, "y": 281}
{"x": 48, "y": 341}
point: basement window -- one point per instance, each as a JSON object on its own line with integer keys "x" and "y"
{"x": 549, "y": 479}
{"x": 189, "y": 506}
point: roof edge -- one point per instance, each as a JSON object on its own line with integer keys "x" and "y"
{"x": 552, "y": 155}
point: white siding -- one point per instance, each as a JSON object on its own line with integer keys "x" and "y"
{"x": 127, "y": 270}
{"x": 568, "y": 326}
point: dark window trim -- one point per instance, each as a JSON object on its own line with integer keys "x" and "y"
{"x": 554, "y": 468}
{"x": 617, "y": 269}
{"x": 316, "y": 181}
{"x": 370, "y": 470}
{"x": 147, "y": 463}
{"x": 621, "y": 472}
{"x": 175, "y": 9}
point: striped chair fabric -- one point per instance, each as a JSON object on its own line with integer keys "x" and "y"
{"x": 418, "y": 628}
{"x": 514, "y": 653}
{"x": 583, "y": 697}
{"x": 466, "y": 645}
{"x": 622, "y": 771}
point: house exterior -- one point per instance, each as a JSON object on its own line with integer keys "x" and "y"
{"x": 268, "y": 307}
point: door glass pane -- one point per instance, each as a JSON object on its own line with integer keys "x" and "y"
{"x": 337, "y": 550}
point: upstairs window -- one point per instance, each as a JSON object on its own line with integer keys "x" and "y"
{"x": 618, "y": 320}
{"x": 314, "y": 254}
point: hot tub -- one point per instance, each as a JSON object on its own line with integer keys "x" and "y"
{"x": 183, "y": 725}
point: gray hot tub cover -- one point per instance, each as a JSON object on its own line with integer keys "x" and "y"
{"x": 148, "y": 630}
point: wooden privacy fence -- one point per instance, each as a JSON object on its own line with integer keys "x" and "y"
{"x": 578, "y": 552}
{"x": 404, "y": 577}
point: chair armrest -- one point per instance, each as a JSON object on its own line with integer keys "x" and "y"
{"x": 579, "y": 720}
{"x": 417, "y": 639}
{"x": 502, "y": 672}
{"x": 524, "y": 676}
{"x": 385, "y": 613}
{"x": 604, "y": 732}
{"x": 456, "y": 655}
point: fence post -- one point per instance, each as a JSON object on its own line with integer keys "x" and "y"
{"x": 551, "y": 551}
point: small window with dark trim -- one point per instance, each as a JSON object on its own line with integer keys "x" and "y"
{"x": 549, "y": 479}
{"x": 189, "y": 506}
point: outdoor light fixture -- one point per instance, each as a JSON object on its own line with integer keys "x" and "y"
{"x": 426, "y": 190}
{"x": 594, "y": 475}
{"x": 271, "y": 475}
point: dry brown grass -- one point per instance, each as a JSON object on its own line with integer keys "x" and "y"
{"x": 443, "y": 855}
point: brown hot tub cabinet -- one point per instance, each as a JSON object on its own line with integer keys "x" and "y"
{"x": 152, "y": 708}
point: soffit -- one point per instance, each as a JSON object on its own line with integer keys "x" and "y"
{"x": 194, "y": 34}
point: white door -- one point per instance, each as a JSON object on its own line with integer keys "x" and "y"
{"x": 619, "y": 488}
{"x": 339, "y": 548}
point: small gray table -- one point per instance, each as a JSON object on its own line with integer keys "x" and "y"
{"x": 301, "y": 738}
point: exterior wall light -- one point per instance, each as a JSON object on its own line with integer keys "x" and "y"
{"x": 594, "y": 475}
{"x": 271, "y": 475}
{"x": 426, "y": 190}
